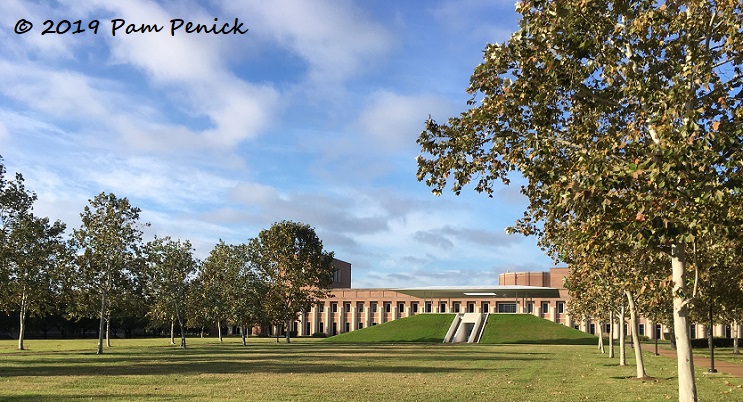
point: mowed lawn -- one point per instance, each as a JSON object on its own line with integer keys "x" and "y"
{"x": 150, "y": 369}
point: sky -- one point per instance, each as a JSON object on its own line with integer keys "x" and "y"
{"x": 311, "y": 114}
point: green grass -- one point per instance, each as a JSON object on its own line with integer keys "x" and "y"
{"x": 528, "y": 329}
{"x": 304, "y": 370}
{"x": 418, "y": 328}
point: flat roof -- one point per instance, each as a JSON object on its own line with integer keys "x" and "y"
{"x": 509, "y": 291}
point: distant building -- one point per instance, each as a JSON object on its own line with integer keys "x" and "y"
{"x": 539, "y": 293}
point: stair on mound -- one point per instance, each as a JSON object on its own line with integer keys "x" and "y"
{"x": 466, "y": 327}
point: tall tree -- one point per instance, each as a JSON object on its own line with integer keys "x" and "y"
{"x": 629, "y": 112}
{"x": 171, "y": 266}
{"x": 291, "y": 262}
{"x": 217, "y": 283}
{"x": 109, "y": 244}
{"x": 31, "y": 252}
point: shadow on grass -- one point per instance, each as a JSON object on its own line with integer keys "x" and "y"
{"x": 236, "y": 359}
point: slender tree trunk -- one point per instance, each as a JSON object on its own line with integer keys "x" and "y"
{"x": 736, "y": 330}
{"x": 183, "y": 332}
{"x": 687, "y": 383}
{"x": 601, "y": 337}
{"x": 22, "y": 323}
{"x": 611, "y": 336}
{"x": 202, "y": 331}
{"x": 288, "y": 329}
{"x": 172, "y": 331}
{"x": 219, "y": 329}
{"x": 635, "y": 339}
{"x": 622, "y": 338}
{"x": 101, "y": 323}
{"x": 242, "y": 332}
{"x": 108, "y": 331}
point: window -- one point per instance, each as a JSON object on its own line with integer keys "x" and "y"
{"x": 485, "y": 307}
{"x": 428, "y": 307}
{"x": 442, "y": 308}
{"x": 334, "y": 307}
{"x": 545, "y": 308}
{"x": 530, "y": 307}
{"x": 506, "y": 307}
{"x": 322, "y": 327}
{"x": 560, "y": 307}
{"x": 348, "y": 326}
{"x": 321, "y": 308}
{"x": 337, "y": 276}
{"x": 692, "y": 332}
{"x": 361, "y": 325}
{"x": 456, "y": 307}
{"x": 592, "y": 329}
{"x": 346, "y": 307}
{"x": 374, "y": 307}
{"x": 361, "y": 307}
{"x": 400, "y": 307}
{"x": 414, "y": 307}
{"x": 387, "y": 307}
{"x": 641, "y": 329}
{"x": 607, "y": 328}
{"x": 470, "y": 307}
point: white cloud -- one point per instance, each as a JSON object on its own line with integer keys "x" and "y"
{"x": 394, "y": 121}
{"x": 336, "y": 39}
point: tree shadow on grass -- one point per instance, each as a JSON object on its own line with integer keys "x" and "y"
{"x": 246, "y": 360}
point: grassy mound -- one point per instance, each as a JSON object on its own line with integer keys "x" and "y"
{"x": 528, "y": 329}
{"x": 418, "y": 328}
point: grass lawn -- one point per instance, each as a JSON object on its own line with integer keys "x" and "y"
{"x": 526, "y": 328}
{"x": 418, "y": 328}
{"x": 149, "y": 369}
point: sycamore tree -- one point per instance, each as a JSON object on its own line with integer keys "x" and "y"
{"x": 31, "y": 254}
{"x": 631, "y": 107}
{"x": 108, "y": 261}
{"x": 170, "y": 268}
{"x": 295, "y": 270}
{"x": 216, "y": 284}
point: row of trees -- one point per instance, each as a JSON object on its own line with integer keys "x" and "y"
{"x": 626, "y": 120}
{"x": 106, "y": 270}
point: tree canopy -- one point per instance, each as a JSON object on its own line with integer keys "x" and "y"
{"x": 621, "y": 116}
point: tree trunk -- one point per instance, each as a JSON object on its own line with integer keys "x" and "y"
{"x": 601, "y": 337}
{"x": 611, "y": 336}
{"x": 242, "y": 332}
{"x": 172, "y": 331}
{"x": 622, "y": 336}
{"x": 183, "y": 333}
{"x": 687, "y": 383}
{"x": 219, "y": 329}
{"x": 288, "y": 329}
{"x": 202, "y": 331}
{"x": 22, "y": 324}
{"x": 736, "y": 330}
{"x": 101, "y": 324}
{"x": 635, "y": 339}
{"x": 108, "y": 331}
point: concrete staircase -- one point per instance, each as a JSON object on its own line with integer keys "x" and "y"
{"x": 466, "y": 327}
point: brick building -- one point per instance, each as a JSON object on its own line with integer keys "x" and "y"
{"x": 539, "y": 293}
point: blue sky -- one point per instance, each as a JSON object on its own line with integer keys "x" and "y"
{"x": 311, "y": 116}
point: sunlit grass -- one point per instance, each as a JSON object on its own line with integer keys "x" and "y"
{"x": 151, "y": 369}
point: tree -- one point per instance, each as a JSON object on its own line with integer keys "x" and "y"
{"x": 31, "y": 250}
{"x": 296, "y": 271}
{"x": 628, "y": 113}
{"x": 170, "y": 267}
{"x": 217, "y": 279}
{"x": 108, "y": 260}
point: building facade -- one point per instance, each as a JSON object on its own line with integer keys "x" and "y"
{"x": 539, "y": 293}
